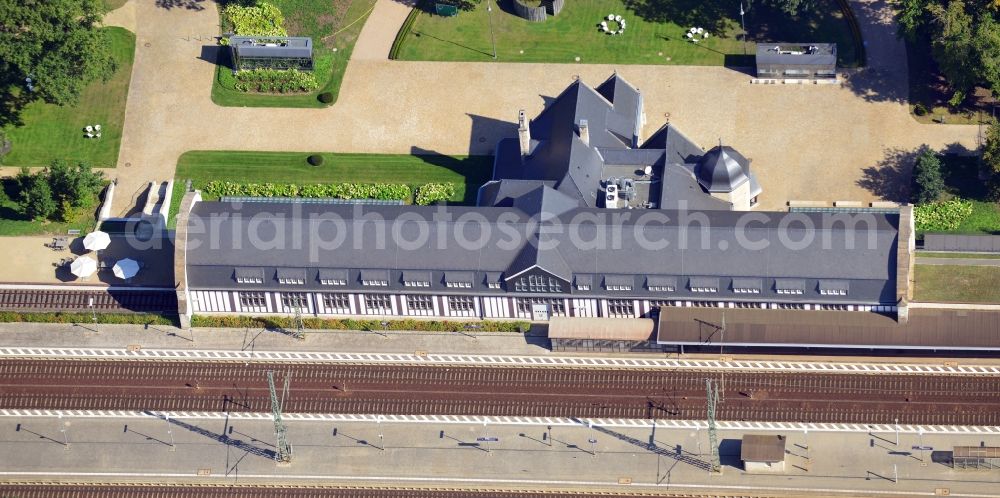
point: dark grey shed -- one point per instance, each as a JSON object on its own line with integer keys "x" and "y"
{"x": 272, "y": 52}
{"x": 797, "y": 60}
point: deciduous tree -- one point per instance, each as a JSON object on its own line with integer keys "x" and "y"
{"x": 928, "y": 182}
{"x": 35, "y": 196}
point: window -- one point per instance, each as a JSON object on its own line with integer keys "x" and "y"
{"x": 461, "y": 303}
{"x": 493, "y": 285}
{"x": 378, "y": 302}
{"x": 250, "y": 280}
{"x": 249, "y": 275}
{"x": 416, "y": 283}
{"x": 660, "y": 303}
{"x": 253, "y": 299}
{"x": 615, "y": 287}
{"x": 746, "y": 290}
{"x": 329, "y": 276}
{"x": 337, "y": 301}
{"x": 704, "y": 289}
{"x": 416, "y": 279}
{"x": 583, "y": 287}
{"x": 419, "y": 303}
{"x": 833, "y": 292}
{"x": 292, "y": 281}
{"x": 375, "y": 283}
{"x": 662, "y": 288}
{"x": 790, "y": 291}
{"x": 621, "y": 307}
{"x": 556, "y": 306}
{"x": 332, "y": 281}
{"x": 459, "y": 285}
{"x": 537, "y": 283}
{"x": 294, "y": 300}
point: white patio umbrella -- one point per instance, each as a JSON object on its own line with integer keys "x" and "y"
{"x": 126, "y": 268}
{"x": 95, "y": 241}
{"x": 83, "y": 267}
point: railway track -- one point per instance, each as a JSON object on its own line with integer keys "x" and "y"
{"x": 132, "y": 490}
{"x": 450, "y": 390}
{"x": 104, "y": 300}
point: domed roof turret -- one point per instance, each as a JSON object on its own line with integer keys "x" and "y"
{"x": 722, "y": 169}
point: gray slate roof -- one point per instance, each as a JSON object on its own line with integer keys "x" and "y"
{"x": 274, "y": 46}
{"x": 295, "y": 235}
{"x": 812, "y": 54}
{"x": 722, "y": 169}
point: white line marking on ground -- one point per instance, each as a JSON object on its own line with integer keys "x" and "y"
{"x": 516, "y": 421}
{"x": 489, "y": 360}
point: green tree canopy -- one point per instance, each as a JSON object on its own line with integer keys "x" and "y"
{"x": 928, "y": 182}
{"x": 36, "y": 200}
{"x": 964, "y": 36}
{"x": 56, "y": 43}
{"x": 76, "y": 185}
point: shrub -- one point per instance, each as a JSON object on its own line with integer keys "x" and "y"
{"x": 274, "y": 81}
{"x": 434, "y": 192}
{"x": 262, "y": 19}
{"x": 382, "y": 191}
{"x": 326, "y": 97}
{"x": 108, "y": 318}
{"x": 941, "y": 216}
{"x": 315, "y": 159}
{"x": 232, "y": 321}
{"x": 927, "y": 179}
{"x": 920, "y": 109}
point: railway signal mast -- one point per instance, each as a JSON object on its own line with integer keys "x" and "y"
{"x": 712, "y": 386}
{"x": 284, "y": 450}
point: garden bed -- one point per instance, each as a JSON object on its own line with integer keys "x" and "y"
{"x": 334, "y": 27}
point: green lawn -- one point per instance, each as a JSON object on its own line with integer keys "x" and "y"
{"x": 654, "y": 33}
{"x": 113, "y": 4}
{"x": 52, "y": 132}
{"x": 12, "y": 223}
{"x": 957, "y": 255}
{"x": 466, "y": 172}
{"x": 334, "y": 27}
{"x": 957, "y": 284}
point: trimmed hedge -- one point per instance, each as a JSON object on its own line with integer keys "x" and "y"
{"x": 403, "y": 32}
{"x": 315, "y": 159}
{"x": 325, "y": 97}
{"x": 107, "y": 318}
{"x": 237, "y": 321}
{"x": 424, "y": 194}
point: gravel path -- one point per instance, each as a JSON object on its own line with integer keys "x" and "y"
{"x": 806, "y": 142}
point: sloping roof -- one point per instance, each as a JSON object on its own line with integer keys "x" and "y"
{"x": 545, "y": 202}
{"x": 722, "y": 169}
{"x": 306, "y": 230}
{"x": 615, "y": 329}
{"x": 763, "y": 448}
{"x": 945, "y": 330}
{"x": 273, "y": 46}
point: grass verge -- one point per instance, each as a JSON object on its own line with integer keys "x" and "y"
{"x": 957, "y": 284}
{"x": 283, "y": 322}
{"x": 334, "y": 30}
{"x": 48, "y": 131}
{"x": 105, "y": 318}
{"x": 655, "y": 33}
{"x": 466, "y": 172}
{"x": 957, "y": 255}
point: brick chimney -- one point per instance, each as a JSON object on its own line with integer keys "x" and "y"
{"x": 523, "y": 134}
{"x": 585, "y": 132}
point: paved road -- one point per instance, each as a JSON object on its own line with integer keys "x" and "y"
{"x": 958, "y": 261}
{"x": 807, "y": 142}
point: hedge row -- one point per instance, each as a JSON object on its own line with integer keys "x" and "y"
{"x": 403, "y": 32}
{"x": 108, "y": 318}
{"x": 275, "y": 81}
{"x": 235, "y": 321}
{"x": 423, "y": 194}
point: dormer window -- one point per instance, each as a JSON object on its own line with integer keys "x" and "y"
{"x": 703, "y": 285}
{"x": 833, "y": 287}
{"x": 661, "y": 284}
{"x": 789, "y": 286}
{"x": 249, "y": 275}
{"x": 747, "y": 285}
{"x": 458, "y": 279}
{"x": 333, "y": 277}
{"x": 291, "y": 276}
{"x": 374, "y": 278}
{"x": 416, "y": 279}
{"x": 584, "y": 282}
{"x": 537, "y": 283}
{"x": 618, "y": 282}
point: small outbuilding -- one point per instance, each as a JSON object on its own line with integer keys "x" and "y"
{"x": 272, "y": 52}
{"x": 797, "y": 61}
{"x": 975, "y": 457}
{"x": 763, "y": 453}
{"x": 619, "y": 335}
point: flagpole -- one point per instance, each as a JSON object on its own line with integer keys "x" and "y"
{"x": 744, "y": 25}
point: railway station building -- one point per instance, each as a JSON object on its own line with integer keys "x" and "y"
{"x": 580, "y": 220}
